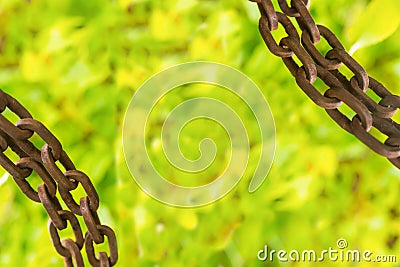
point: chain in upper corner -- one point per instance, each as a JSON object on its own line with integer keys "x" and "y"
{"x": 341, "y": 90}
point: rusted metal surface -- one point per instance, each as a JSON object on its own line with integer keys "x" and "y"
{"x": 341, "y": 89}
{"x": 43, "y": 162}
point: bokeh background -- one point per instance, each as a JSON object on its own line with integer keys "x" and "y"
{"x": 76, "y": 64}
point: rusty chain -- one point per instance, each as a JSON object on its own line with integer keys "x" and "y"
{"x": 341, "y": 90}
{"x": 16, "y": 139}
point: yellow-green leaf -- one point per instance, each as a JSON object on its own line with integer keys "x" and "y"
{"x": 379, "y": 21}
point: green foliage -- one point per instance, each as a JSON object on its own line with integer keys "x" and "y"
{"x": 365, "y": 32}
{"x": 76, "y": 64}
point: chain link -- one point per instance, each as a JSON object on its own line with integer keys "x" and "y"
{"x": 43, "y": 162}
{"x": 342, "y": 90}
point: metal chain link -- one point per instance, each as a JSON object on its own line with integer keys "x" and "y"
{"x": 44, "y": 163}
{"x": 341, "y": 90}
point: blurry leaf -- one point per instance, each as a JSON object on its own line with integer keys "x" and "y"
{"x": 83, "y": 75}
{"x": 168, "y": 25}
{"x": 184, "y": 5}
{"x": 378, "y": 22}
{"x": 58, "y": 35}
{"x": 79, "y": 72}
{"x": 227, "y": 23}
{"x": 252, "y": 11}
{"x": 187, "y": 219}
{"x": 141, "y": 217}
{"x": 33, "y": 65}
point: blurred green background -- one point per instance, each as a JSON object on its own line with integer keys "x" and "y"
{"x": 76, "y": 64}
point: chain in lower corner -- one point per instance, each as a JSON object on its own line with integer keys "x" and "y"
{"x": 15, "y": 138}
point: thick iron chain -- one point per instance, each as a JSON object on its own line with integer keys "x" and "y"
{"x": 43, "y": 162}
{"x": 341, "y": 90}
